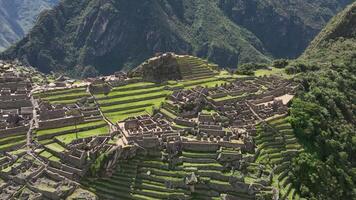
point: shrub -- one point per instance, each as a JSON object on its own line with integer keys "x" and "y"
{"x": 280, "y": 63}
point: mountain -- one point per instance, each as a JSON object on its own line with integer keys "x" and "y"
{"x": 105, "y": 35}
{"x": 323, "y": 114}
{"x": 17, "y": 17}
{"x": 284, "y": 27}
{"x": 337, "y": 41}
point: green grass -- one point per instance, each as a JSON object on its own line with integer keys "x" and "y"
{"x": 12, "y": 139}
{"x": 135, "y": 86}
{"x": 55, "y": 147}
{"x": 68, "y": 128}
{"x": 133, "y": 105}
{"x": 168, "y": 113}
{"x": 209, "y": 84}
{"x": 9, "y": 145}
{"x": 273, "y": 71}
{"x": 68, "y": 138}
{"x": 45, "y": 154}
{"x": 119, "y": 116}
{"x": 49, "y": 156}
{"x": 135, "y": 98}
{"x": 118, "y": 94}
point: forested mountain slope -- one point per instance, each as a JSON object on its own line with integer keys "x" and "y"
{"x": 103, "y": 36}
{"x": 284, "y": 27}
{"x": 323, "y": 115}
{"x": 17, "y": 17}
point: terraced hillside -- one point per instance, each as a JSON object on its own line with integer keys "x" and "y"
{"x": 149, "y": 177}
{"x": 63, "y": 96}
{"x": 130, "y": 100}
{"x": 133, "y": 99}
{"x": 55, "y": 140}
{"x": 195, "y": 68}
{"x": 277, "y": 146}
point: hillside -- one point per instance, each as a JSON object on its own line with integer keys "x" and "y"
{"x": 17, "y": 17}
{"x": 338, "y": 37}
{"x": 323, "y": 114}
{"x": 284, "y": 27}
{"x": 105, "y": 36}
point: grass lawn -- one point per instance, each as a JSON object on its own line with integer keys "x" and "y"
{"x": 11, "y": 139}
{"x": 67, "y": 128}
{"x": 68, "y": 138}
{"x": 55, "y": 147}
{"x": 138, "y": 97}
{"x": 119, "y": 116}
{"x": 198, "y": 81}
{"x": 133, "y": 105}
{"x": 208, "y": 84}
{"x": 168, "y": 113}
{"x": 45, "y": 154}
{"x": 135, "y": 86}
{"x": 9, "y": 145}
{"x": 273, "y": 71}
{"x": 117, "y": 94}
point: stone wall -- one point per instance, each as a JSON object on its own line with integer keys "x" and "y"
{"x": 52, "y": 114}
{"x": 13, "y": 97}
{"x": 21, "y": 130}
{"x": 200, "y": 146}
{"x": 15, "y": 104}
{"x": 56, "y": 123}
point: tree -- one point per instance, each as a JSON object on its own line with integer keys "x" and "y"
{"x": 280, "y": 63}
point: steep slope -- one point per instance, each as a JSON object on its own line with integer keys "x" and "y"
{"x": 337, "y": 41}
{"x": 17, "y": 17}
{"x": 110, "y": 35}
{"x": 284, "y": 27}
{"x": 323, "y": 115}
{"x": 106, "y": 35}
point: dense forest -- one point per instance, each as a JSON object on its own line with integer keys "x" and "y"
{"x": 323, "y": 114}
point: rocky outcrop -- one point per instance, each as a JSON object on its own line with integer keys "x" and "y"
{"x": 161, "y": 68}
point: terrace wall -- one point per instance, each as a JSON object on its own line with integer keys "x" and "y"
{"x": 21, "y": 130}
{"x": 57, "y": 123}
{"x": 49, "y": 136}
{"x": 200, "y": 146}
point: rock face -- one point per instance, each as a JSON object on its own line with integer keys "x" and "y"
{"x": 109, "y": 35}
{"x": 161, "y": 68}
{"x": 17, "y": 17}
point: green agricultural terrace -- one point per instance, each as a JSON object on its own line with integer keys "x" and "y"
{"x": 277, "y": 146}
{"x": 143, "y": 97}
{"x": 63, "y": 96}
{"x": 146, "y": 177}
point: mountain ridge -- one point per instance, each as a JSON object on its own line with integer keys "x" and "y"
{"x": 105, "y": 36}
